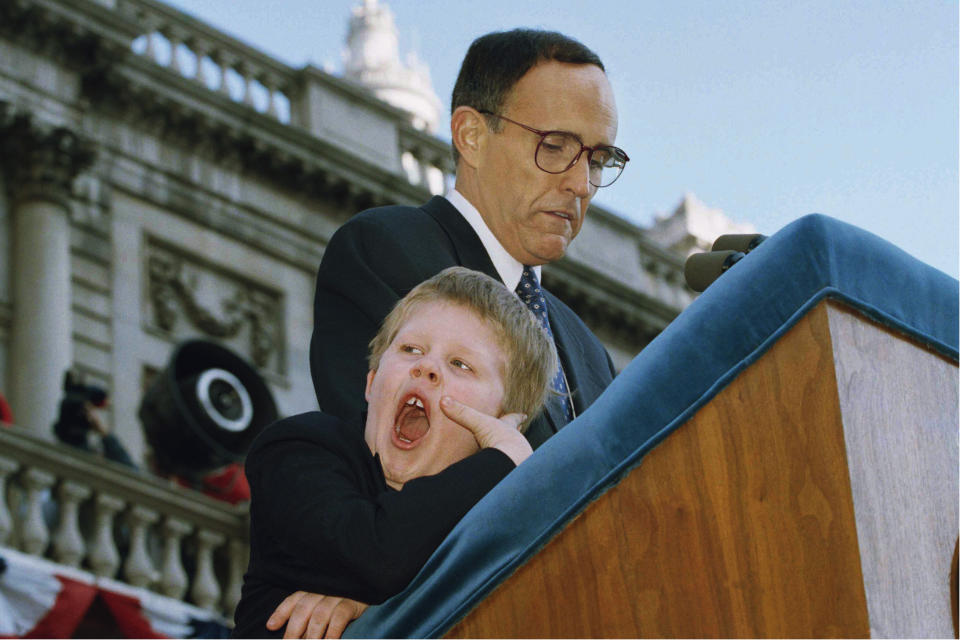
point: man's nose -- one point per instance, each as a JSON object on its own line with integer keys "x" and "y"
{"x": 576, "y": 179}
{"x": 426, "y": 368}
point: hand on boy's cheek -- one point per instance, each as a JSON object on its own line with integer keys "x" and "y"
{"x": 490, "y": 431}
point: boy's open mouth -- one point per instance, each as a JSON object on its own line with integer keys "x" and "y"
{"x": 412, "y": 421}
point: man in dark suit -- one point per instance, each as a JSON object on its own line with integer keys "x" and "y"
{"x": 533, "y": 124}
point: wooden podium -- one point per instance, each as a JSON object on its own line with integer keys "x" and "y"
{"x": 815, "y": 496}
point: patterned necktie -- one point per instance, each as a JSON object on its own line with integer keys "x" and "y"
{"x": 531, "y": 294}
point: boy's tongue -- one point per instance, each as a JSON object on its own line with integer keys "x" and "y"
{"x": 412, "y": 423}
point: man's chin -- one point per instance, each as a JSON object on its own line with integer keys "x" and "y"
{"x": 547, "y": 252}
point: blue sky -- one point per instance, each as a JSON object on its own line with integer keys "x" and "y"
{"x": 765, "y": 109}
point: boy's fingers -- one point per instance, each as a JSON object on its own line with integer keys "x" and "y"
{"x": 480, "y": 424}
{"x": 464, "y": 415}
{"x": 514, "y": 419}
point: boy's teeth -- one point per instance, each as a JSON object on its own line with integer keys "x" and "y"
{"x": 415, "y": 401}
{"x": 419, "y": 403}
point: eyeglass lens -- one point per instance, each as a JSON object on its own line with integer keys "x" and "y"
{"x": 558, "y": 151}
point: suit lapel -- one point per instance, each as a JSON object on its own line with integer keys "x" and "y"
{"x": 569, "y": 350}
{"x": 466, "y": 243}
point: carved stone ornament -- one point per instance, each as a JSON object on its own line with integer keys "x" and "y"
{"x": 40, "y": 161}
{"x": 186, "y": 296}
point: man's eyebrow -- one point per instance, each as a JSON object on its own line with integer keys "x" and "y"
{"x": 579, "y": 138}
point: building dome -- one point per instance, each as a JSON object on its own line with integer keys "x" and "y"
{"x": 372, "y": 59}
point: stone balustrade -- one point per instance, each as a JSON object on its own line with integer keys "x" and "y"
{"x": 195, "y": 50}
{"x": 328, "y": 107}
{"x": 81, "y": 511}
{"x": 426, "y": 160}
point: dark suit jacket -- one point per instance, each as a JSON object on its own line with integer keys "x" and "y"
{"x": 381, "y": 254}
{"x": 322, "y": 518}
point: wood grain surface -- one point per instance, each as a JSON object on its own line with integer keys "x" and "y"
{"x": 902, "y": 450}
{"x": 740, "y": 524}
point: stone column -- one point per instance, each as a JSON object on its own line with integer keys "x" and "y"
{"x": 39, "y": 165}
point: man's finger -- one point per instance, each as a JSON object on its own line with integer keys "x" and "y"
{"x": 301, "y": 615}
{"x": 317, "y": 626}
{"x": 283, "y": 610}
{"x": 342, "y": 615}
{"x": 321, "y": 616}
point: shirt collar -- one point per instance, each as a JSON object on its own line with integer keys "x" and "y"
{"x": 508, "y": 268}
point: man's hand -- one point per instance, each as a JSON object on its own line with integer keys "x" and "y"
{"x": 311, "y": 615}
{"x": 94, "y": 420}
{"x": 500, "y": 433}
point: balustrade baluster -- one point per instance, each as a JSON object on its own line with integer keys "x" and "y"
{"x": 200, "y": 51}
{"x": 138, "y": 568}
{"x": 238, "y": 564}
{"x": 206, "y": 589}
{"x": 104, "y": 557}
{"x": 244, "y": 70}
{"x": 34, "y": 535}
{"x": 68, "y": 544}
{"x": 151, "y": 50}
{"x": 223, "y": 64}
{"x": 173, "y": 580}
{"x": 271, "y": 86}
{"x": 7, "y": 467}
{"x": 175, "y": 39}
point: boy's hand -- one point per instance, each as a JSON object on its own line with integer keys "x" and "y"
{"x": 499, "y": 433}
{"x": 311, "y": 615}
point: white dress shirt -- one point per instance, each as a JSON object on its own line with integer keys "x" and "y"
{"x": 508, "y": 267}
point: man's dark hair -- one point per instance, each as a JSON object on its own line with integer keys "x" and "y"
{"x": 495, "y": 63}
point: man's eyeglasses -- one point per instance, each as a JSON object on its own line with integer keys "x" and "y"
{"x": 557, "y": 151}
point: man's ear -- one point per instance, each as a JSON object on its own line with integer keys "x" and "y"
{"x": 366, "y": 392}
{"x": 468, "y": 131}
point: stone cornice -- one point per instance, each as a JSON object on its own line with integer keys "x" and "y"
{"x": 205, "y": 119}
{"x": 78, "y": 33}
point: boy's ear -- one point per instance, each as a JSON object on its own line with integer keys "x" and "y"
{"x": 468, "y": 129}
{"x": 366, "y": 392}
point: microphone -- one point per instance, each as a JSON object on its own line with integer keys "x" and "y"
{"x": 701, "y": 269}
{"x": 742, "y": 242}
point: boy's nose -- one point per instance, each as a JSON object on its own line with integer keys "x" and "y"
{"x": 425, "y": 368}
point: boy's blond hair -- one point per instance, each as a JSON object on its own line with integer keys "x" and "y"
{"x": 531, "y": 359}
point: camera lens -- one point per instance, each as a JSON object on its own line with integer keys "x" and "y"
{"x": 224, "y": 399}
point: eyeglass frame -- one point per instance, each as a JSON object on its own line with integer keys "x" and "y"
{"x": 543, "y": 135}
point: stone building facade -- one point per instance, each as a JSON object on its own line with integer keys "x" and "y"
{"x": 163, "y": 180}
